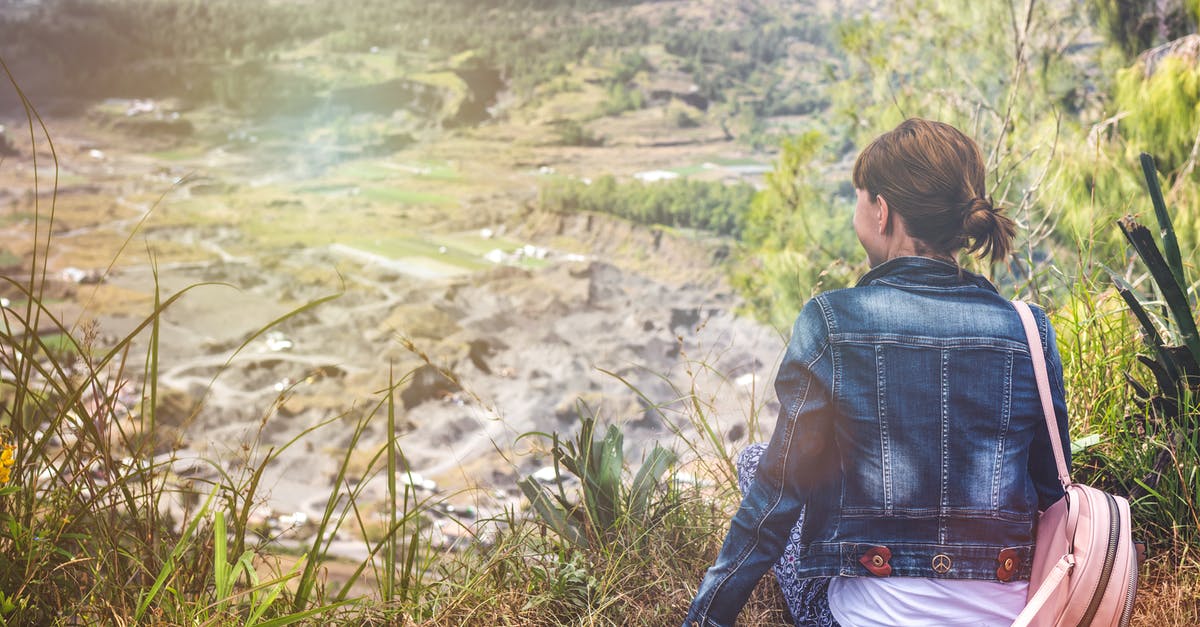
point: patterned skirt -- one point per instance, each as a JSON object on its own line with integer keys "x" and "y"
{"x": 807, "y": 599}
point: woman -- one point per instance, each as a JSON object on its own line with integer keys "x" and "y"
{"x": 910, "y": 457}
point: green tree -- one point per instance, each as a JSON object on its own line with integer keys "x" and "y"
{"x": 797, "y": 239}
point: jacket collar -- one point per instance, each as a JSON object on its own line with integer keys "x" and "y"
{"x": 918, "y": 271}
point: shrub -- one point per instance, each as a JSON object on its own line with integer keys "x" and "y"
{"x": 574, "y": 133}
{"x": 684, "y": 203}
{"x": 1163, "y": 107}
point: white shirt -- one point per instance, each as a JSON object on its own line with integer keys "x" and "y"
{"x": 921, "y": 602}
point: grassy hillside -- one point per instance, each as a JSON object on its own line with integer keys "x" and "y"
{"x": 415, "y": 140}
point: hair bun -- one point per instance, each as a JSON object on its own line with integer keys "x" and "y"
{"x": 991, "y": 231}
{"x": 979, "y": 217}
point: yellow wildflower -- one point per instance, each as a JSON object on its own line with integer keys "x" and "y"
{"x": 6, "y": 463}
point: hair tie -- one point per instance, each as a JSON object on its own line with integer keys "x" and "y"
{"x": 980, "y": 203}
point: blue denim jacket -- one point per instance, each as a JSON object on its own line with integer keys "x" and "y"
{"x": 910, "y": 434}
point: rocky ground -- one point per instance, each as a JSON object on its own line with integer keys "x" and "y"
{"x": 494, "y": 319}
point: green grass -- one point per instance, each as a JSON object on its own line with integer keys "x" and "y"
{"x": 383, "y": 194}
{"x": 184, "y": 153}
{"x": 375, "y": 171}
{"x": 16, "y": 217}
{"x": 326, "y": 188}
{"x": 59, "y": 343}
{"x": 399, "y": 247}
{"x": 699, "y": 166}
{"x": 735, "y": 161}
{"x": 688, "y": 170}
{"x": 369, "y": 171}
{"x": 439, "y": 171}
{"x": 474, "y": 243}
{"x": 464, "y": 251}
{"x": 398, "y": 195}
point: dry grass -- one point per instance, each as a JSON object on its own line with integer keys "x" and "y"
{"x": 1168, "y": 595}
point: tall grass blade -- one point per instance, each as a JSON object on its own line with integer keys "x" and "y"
{"x": 37, "y": 280}
{"x": 410, "y": 579}
{"x": 321, "y": 539}
{"x": 410, "y": 515}
{"x": 711, "y": 434}
{"x": 221, "y": 578}
{"x": 150, "y": 404}
{"x": 274, "y": 588}
{"x": 303, "y": 615}
{"x": 168, "y": 567}
{"x": 241, "y": 515}
{"x": 389, "y": 556}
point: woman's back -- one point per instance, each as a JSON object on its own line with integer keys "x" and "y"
{"x": 934, "y": 417}
{"x": 909, "y": 449}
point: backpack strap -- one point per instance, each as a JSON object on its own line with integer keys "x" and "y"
{"x": 1038, "y": 355}
{"x": 1048, "y": 587}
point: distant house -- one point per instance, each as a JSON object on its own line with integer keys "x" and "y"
{"x": 653, "y": 176}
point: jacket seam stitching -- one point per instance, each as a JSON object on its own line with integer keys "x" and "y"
{"x": 793, "y": 413}
{"x": 1005, "y": 418}
{"x": 884, "y": 449}
{"x": 919, "y": 287}
{"x": 943, "y": 498}
{"x": 876, "y": 339}
{"x": 927, "y": 513}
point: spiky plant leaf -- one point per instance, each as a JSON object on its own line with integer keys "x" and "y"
{"x": 555, "y": 517}
{"x": 1165, "y": 381}
{"x": 1173, "y": 295}
{"x": 647, "y": 477}
{"x": 603, "y": 485}
{"x": 1170, "y": 245}
{"x": 1139, "y": 391}
{"x": 1149, "y": 329}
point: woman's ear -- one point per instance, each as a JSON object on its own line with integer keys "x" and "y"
{"x": 885, "y": 223}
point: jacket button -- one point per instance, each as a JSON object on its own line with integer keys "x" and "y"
{"x": 875, "y": 560}
{"x": 1008, "y": 561}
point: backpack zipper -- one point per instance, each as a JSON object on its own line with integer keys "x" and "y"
{"x": 1130, "y": 591}
{"x": 1110, "y": 556}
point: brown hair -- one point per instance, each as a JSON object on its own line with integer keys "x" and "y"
{"x": 933, "y": 176}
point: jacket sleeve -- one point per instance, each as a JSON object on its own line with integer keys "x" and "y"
{"x": 1041, "y": 456}
{"x": 800, "y": 447}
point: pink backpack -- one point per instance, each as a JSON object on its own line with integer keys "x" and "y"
{"x": 1084, "y": 564}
